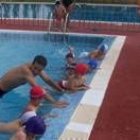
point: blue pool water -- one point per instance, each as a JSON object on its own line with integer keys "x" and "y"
{"x": 18, "y": 48}
{"x": 83, "y": 12}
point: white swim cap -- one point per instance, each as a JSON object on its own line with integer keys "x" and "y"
{"x": 27, "y": 115}
{"x": 83, "y": 54}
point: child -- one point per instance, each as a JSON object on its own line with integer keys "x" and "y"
{"x": 59, "y": 14}
{"x": 69, "y": 5}
{"x": 92, "y": 65}
{"x": 36, "y": 96}
{"x": 70, "y": 63}
{"x": 77, "y": 81}
{"x": 33, "y": 127}
{"x": 96, "y": 54}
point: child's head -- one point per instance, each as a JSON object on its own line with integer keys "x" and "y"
{"x": 69, "y": 58}
{"x": 81, "y": 69}
{"x": 103, "y": 48}
{"x": 37, "y": 94}
{"x": 92, "y": 64}
{"x": 35, "y": 126}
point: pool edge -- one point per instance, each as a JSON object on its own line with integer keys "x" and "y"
{"x": 84, "y": 116}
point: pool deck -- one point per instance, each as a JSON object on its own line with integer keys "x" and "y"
{"x": 119, "y": 116}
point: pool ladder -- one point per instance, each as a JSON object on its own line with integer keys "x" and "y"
{"x": 66, "y": 22}
{"x": 50, "y": 22}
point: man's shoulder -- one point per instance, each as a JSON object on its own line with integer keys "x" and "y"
{"x": 25, "y": 67}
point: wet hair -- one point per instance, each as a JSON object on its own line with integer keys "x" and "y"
{"x": 69, "y": 55}
{"x": 40, "y": 60}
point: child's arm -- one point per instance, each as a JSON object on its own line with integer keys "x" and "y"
{"x": 50, "y": 115}
{"x": 57, "y": 104}
{"x": 83, "y": 87}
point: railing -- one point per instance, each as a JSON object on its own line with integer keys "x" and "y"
{"x": 50, "y": 22}
{"x": 66, "y": 22}
{"x": 84, "y": 18}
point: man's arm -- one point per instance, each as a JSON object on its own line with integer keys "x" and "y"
{"x": 49, "y": 81}
{"x": 31, "y": 80}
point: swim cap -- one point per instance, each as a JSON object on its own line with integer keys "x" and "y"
{"x": 81, "y": 68}
{"x": 35, "y": 125}
{"x": 93, "y": 64}
{"x": 37, "y": 91}
{"x": 83, "y": 54}
{"x": 103, "y": 48}
{"x": 27, "y": 115}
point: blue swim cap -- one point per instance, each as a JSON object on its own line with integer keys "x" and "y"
{"x": 93, "y": 64}
{"x": 103, "y": 48}
{"x": 35, "y": 125}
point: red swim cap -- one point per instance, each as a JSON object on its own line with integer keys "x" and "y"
{"x": 81, "y": 68}
{"x": 37, "y": 91}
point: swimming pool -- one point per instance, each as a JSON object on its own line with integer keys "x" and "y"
{"x": 90, "y": 12}
{"x": 19, "y": 47}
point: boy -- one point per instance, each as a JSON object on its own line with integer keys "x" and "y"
{"x": 96, "y": 54}
{"x": 77, "y": 81}
{"x": 34, "y": 126}
{"x": 36, "y": 96}
{"x": 92, "y": 65}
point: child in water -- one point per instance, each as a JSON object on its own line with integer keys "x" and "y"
{"x": 33, "y": 127}
{"x": 98, "y": 53}
{"x": 36, "y": 96}
{"x": 77, "y": 80}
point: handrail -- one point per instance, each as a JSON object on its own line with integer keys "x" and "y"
{"x": 66, "y": 21}
{"x": 50, "y": 22}
{"x": 1, "y": 10}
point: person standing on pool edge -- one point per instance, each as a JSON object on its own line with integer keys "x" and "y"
{"x": 26, "y": 73}
{"x": 63, "y": 8}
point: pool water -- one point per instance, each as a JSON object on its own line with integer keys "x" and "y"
{"x": 18, "y": 48}
{"x": 117, "y": 13}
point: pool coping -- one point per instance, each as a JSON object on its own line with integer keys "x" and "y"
{"x": 84, "y": 116}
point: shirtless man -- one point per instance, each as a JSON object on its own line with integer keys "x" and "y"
{"x": 77, "y": 81}
{"x": 26, "y": 73}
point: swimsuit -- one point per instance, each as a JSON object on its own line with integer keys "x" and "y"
{"x": 26, "y": 116}
{"x": 62, "y": 84}
{"x": 71, "y": 66}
